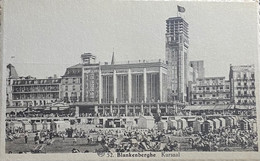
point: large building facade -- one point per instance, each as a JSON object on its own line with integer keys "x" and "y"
{"x": 242, "y": 81}
{"x": 210, "y": 91}
{"x": 124, "y": 83}
{"x": 177, "y": 44}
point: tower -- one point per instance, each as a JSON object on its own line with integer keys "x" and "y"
{"x": 177, "y": 44}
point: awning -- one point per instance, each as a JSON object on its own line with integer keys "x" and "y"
{"x": 244, "y": 107}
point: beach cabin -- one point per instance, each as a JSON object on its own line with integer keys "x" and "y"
{"x": 27, "y": 126}
{"x": 37, "y": 126}
{"x": 162, "y": 125}
{"x": 46, "y": 125}
{"x": 15, "y": 125}
{"x": 172, "y": 124}
{"x": 253, "y": 125}
{"x": 235, "y": 120}
{"x": 229, "y": 121}
{"x": 243, "y": 124}
{"x": 208, "y": 126}
{"x": 146, "y": 122}
{"x": 60, "y": 126}
{"x": 182, "y": 124}
{"x": 222, "y": 122}
{"x": 216, "y": 123}
{"x": 197, "y": 126}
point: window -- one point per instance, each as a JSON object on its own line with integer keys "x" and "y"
{"x": 200, "y": 95}
{"x": 207, "y": 88}
{"x": 244, "y": 75}
{"x": 213, "y": 87}
{"x": 245, "y": 92}
{"x": 213, "y": 95}
{"x": 208, "y": 103}
{"x": 195, "y": 96}
{"x": 239, "y": 101}
{"x": 199, "y": 88}
{"x": 253, "y": 76}
{"x": 66, "y": 88}
{"x": 239, "y": 93}
{"x": 73, "y": 87}
{"x": 200, "y": 103}
{"x": 239, "y": 84}
{"x": 227, "y": 87}
{"x": 253, "y": 93}
{"x": 245, "y": 84}
{"x": 253, "y": 83}
{"x": 227, "y": 95}
{"x": 221, "y": 88}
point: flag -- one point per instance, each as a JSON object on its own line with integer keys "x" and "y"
{"x": 181, "y": 9}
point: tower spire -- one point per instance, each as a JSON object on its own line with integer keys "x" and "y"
{"x": 113, "y": 58}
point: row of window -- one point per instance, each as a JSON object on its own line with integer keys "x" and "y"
{"x": 213, "y": 95}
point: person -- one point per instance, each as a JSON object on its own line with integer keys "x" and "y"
{"x": 26, "y": 138}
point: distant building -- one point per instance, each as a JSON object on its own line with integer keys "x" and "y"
{"x": 199, "y": 67}
{"x": 71, "y": 84}
{"x": 210, "y": 90}
{"x": 11, "y": 75}
{"x": 29, "y": 91}
{"x": 242, "y": 81}
{"x": 177, "y": 44}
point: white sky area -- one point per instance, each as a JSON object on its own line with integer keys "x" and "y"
{"x": 47, "y": 36}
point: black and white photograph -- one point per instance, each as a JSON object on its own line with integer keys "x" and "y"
{"x": 129, "y": 79}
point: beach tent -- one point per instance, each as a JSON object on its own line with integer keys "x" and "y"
{"x": 216, "y": 123}
{"x": 208, "y": 126}
{"x": 243, "y": 124}
{"x": 37, "y": 126}
{"x": 60, "y": 126}
{"x": 162, "y": 125}
{"x": 146, "y": 122}
{"x": 222, "y": 122}
{"x": 229, "y": 121}
{"x": 172, "y": 124}
{"x": 197, "y": 126}
{"x": 182, "y": 124}
{"x": 27, "y": 126}
{"x": 46, "y": 125}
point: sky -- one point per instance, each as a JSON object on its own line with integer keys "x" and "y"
{"x": 45, "y": 36}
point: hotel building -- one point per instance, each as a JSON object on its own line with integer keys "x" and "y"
{"x": 242, "y": 81}
{"x": 210, "y": 91}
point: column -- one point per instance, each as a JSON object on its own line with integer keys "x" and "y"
{"x": 96, "y": 109}
{"x": 111, "y": 109}
{"x": 142, "y": 108}
{"x": 158, "y": 108}
{"x": 100, "y": 85}
{"x": 114, "y": 86}
{"x": 126, "y": 108}
{"x": 83, "y": 85}
{"x": 166, "y": 109}
{"x": 103, "y": 110}
{"x": 134, "y": 111}
{"x": 160, "y": 83}
{"x": 77, "y": 111}
{"x": 129, "y": 86}
{"x": 118, "y": 110}
{"x": 145, "y": 85}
